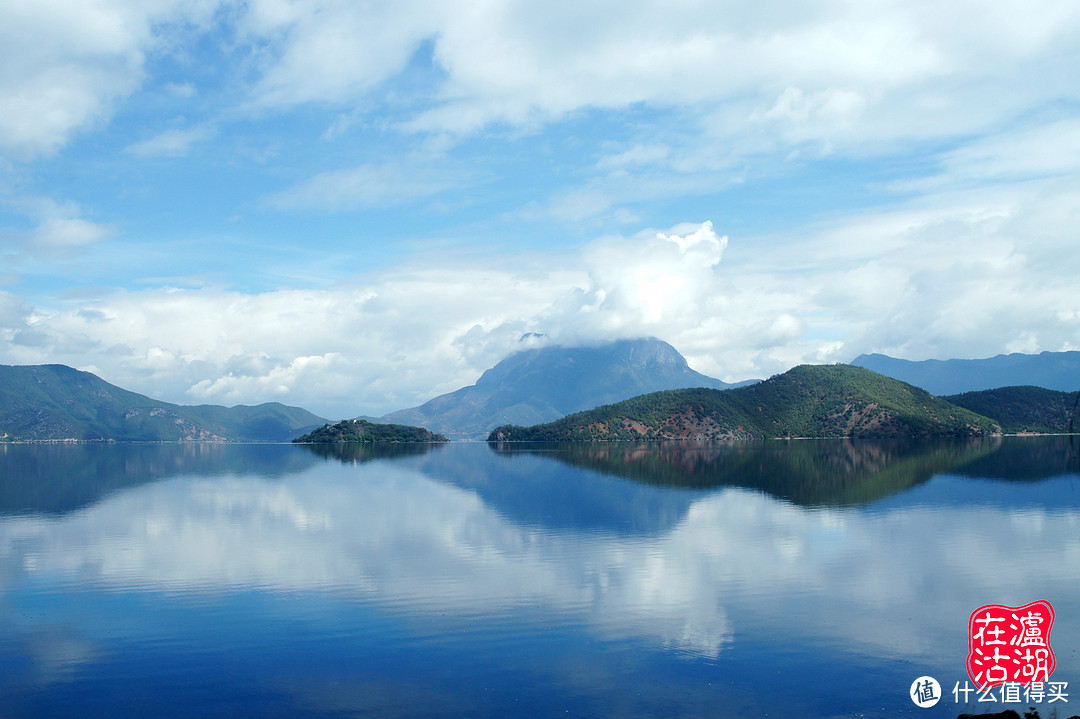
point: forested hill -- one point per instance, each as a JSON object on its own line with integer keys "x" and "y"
{"x": 56, "y": 402}
{"x": 359, "y": 430}
{"x": 1023, "y": 409}
{"x": 807, "y": 401}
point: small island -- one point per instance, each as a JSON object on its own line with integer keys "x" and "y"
{"x": 360, "y": 430}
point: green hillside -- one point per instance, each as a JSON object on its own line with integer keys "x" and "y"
{"x": 1022, "y": 409}
{"x": 55, "y": 402}
{"x": 362, "y": 431}
{"x": 807, "y": 401}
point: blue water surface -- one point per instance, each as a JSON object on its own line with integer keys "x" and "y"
{"x": 810, "y": 579}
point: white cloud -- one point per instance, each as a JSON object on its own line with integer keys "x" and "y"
{"x": 334, "y": 50}
{"x": 966, "y": 275}
{"x": 368, "y": 185}
{"x": 59, "y": 230}
{"x": 648, "y": 282}
{"x": 13, "y": 315}
{"x": 710, "y": 93}
{"x": 392, "y": 341}
{"x": 824, "y": 114}
{"x": 1047, "y": 150}
{"x": 171, "y": 143}
{"x": 67, "y": 64}
{"x": 637, "y": 154}
{"x": 844, "y": 75}
{"x": 971, "y": 274}
{"x": 841, "y": 74}
{"x": 315, "y": 373}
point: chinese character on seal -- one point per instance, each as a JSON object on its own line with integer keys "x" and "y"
{"x": 1010, "y": 644}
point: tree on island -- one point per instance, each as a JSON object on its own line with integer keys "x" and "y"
{"x": 360, "y": 430}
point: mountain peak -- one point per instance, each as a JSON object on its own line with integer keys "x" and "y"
{"x": 544, "y": 383}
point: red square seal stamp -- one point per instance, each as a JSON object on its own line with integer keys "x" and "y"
{"x": 1010, "y": 644}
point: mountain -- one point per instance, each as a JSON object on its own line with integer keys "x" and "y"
{"x": 362, "y": 431}
{"x": 1052, "y": 370}
{"x": 807, "y": 401}
{"x": 1023, "y": 409}
{"x": 539, "y": 385}
{"x": 55, "y": 402}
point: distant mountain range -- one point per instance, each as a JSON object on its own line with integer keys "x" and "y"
{"x": 540, "y": 385}
{"x": 807, "y": 401}
{"x": 1052, "y": 370}
{"x": 55, "y": 402}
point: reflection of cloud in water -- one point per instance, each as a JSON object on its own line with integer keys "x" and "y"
{"x": 391, "y": 535}
{"x": 56, "y": 654}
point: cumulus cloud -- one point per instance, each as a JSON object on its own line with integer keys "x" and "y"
{"x": 965, "y": 278}
{"x": 647, "y": 281}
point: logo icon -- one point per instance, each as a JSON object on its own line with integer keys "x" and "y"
{"x": 1010, "y": 644}
{"x": 925, "y": 692}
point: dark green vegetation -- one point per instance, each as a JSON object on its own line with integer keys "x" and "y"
{"x": 55, "y": 402}
{"x": 539, "y": 385}
{"x": 1022, "y": 409}
{"x": 362, "y": 431}
{"x": 1052, "y": 370}
{"x": 807, "y": 401}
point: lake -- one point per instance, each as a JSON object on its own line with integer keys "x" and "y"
{"x": 781, "y": 579}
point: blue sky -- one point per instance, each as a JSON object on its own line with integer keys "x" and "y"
{"x": 353, "y": 207}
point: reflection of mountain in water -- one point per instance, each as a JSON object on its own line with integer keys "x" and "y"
{"x": 532, "y": 489}
{"x": 562, "y": 485}
{"x": 813, "y": 472}
{"x": 359, "y": 452}
{"x": 57, "y": 478}
{"x": 552, "y": 485}
{"x": 62, "y": 477}
{"x": 578, "y": 485}
{"x": 1025, "y": 459}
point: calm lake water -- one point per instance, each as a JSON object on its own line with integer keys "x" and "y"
{"x": 781, "y": 579}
